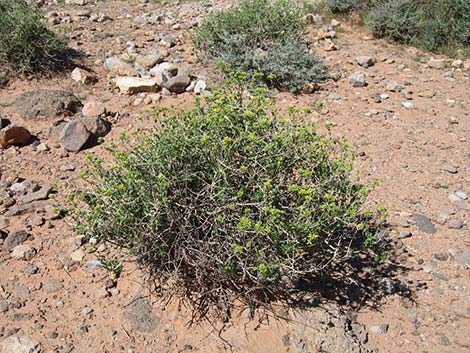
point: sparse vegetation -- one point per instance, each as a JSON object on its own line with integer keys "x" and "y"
{"x": 435, "y": 25}
{"x": 264, "y": 39}
{"x": 26, "y": 44}
{"x": 231, "y": 200}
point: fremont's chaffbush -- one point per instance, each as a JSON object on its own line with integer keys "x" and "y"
{"x": 230, "y": 199}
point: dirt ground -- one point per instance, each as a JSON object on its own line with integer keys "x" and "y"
{"x": 420, "y": 155}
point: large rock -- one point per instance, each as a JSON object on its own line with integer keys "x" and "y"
{"x": 46, "y": 104}
{"x": 93, "y": 109}
{"x": 149, "y": 60}
{"x": 96, "y": 126}
{"x": 120, "y": 67}
{"x": 55, "y": 130}
{"x": 74, "y": 136}
{"x": 14, "y": 135}
{"x": 15, "y": 238}
{"x": 20, "y": 344}
{"x": 131, "y": 85}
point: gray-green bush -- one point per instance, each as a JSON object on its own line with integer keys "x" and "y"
{"x": 435, "y": 25}
{"x": 26, "y": 44}
{"x": 231, "y": 200}
{"x": 262, "y": 37}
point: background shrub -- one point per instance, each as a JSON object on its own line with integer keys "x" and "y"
{"x": 230, "y": 200}
{"x": 435, "y": 25}
{"x": 26, "y": 45}
{"x": 262, "y": 36}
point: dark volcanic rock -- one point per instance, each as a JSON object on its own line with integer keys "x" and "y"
{"x": 46, "y": 104}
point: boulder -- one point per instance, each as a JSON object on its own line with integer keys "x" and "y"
{"x": 46, "y": 104}
{"x": 14, "y": 135}
{"x": 74, "y": 136}
{"x": 149, "y": 60}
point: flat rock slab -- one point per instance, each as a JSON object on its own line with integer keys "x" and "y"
{"x": 19, "y": 344}
{"x": 41, "y": 194}
{"x": 139, "y": 313}
{"x": 424, "y": 224}
{"x": 46, "y": 104}
{"x": 131, "y": 85}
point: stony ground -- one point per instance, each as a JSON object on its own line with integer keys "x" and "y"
{"x": 403, "y": 111}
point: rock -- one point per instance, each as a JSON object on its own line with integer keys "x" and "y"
{"x": 77, "y": 255}
{"x": 464, "y": 258}
{"x": 20, "y": 344}
{"x": 87, "y": 311}
{"x": 455, "y": 224}
{"x": 4, "y": 122}
{"x": 52, "y": 285}
{"x": 365, "y": 61}
{"x": 325, "y": 330}
{"x": 139, "y": 313}
{"x": 4, "y": 223}
{"x": 83, "y": 76}
{"x": 378, "y": 330}
{"x": 131, "y": 85}
{"x": 407, "y": 105}
{"x": 405, "y": 234}
{"x": 25, "y": 208}
{"x": 46, "y": 104}
{"x": 55, "y": 130}
{"x": 15, "y": 238}
{"x": 30, "y": 269}
{"x": 23, "y": 252}
{"x": 14, "y": 135}
{"x": 120, "y": 67}
{"x": 74, "y": 136}
{"x": 200, "y": 87}
{"x": 93, "y": 264}
{"x": 93, "y": 109}
{"x": 42, "y": 147}
{"x": 4, "y": 306}
{"x": 96, "y": 126}
{"x": 424, "y": 224}
{"x": 466, "y": 65}
{"x": 329, "y": 45}
{"x": 147, "y": 61}
{"x": 461, "y": 195}
{"x": 358, "y": 79}
{"x": 449, "y": 168}
{"x": 457, "y": 64}
{"x": 436, "y": 63}
{"x": 177, "y": 84}
{"x": 393, "y": 86}
{"x": 162, "y": 72}
{"x": 41, "y": 194}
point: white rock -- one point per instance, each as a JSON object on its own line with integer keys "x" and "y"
{"x": 407, "y": 105}
{"x": 20, "y": 344}
{"x": 77, "y": 255}
{"x": 23, "y": 252}
{"x": 130, "y": 85}
{"x": 200, "y": 87}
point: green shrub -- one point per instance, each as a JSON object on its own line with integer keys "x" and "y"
{"x": 26, "y": 45}
{"x": 397, "y": 20}
{"x": 230, "y": 199}
{"x": 261, "y": 36}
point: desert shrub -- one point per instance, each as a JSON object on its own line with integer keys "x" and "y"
{"x": 262, "y": 36}
{"x": 397, "y": 20}
{"x": 26, "y": 44}
{"x": 230, "y": 200}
